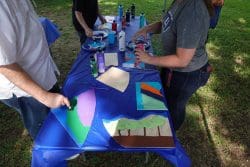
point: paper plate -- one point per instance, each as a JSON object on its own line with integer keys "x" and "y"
{"x": 105, "y": 26}
{"x": 94, "y": 45}
{"x": 99, "y": 35}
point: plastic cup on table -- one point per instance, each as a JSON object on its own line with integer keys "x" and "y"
{"x": 111, "y": 38}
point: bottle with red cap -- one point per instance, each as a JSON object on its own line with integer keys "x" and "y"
{"x": 114, "y": 26}
{"x": 123, "y": 22}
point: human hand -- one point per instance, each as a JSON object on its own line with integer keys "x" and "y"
{"x": 54, "y": 100}
{"x": 141, "y": 33}
{"x": 142, "y": 56}
{"x": 103, "y": 20}
{"x": 89, "y": 32}
{"x": 218, "y": 2}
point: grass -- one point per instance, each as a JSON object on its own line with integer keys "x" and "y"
{"x": 216, "y": 130}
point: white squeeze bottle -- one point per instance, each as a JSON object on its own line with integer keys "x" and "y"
{"x": 122, "y": 43}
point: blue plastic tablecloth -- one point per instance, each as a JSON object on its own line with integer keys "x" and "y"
{"x": 57, "y": 141}
{"x": 51, "y": 31}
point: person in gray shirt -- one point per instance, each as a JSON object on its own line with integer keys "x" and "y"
{"x": 185, "y": 68}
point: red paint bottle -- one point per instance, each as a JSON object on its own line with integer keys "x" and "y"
{"x": 114, "y": 26}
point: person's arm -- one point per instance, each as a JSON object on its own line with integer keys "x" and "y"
{"x": 181, "y": 59}
{"x": 81, "y": 20}
{"x": 21, "y": 79}
{"x": 154, "y": 28}
{"x": 218, "y": 2}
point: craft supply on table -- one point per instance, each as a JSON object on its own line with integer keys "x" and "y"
{"x": 128, "y": 17}
{"x": 123, "y": 23}
{"x": 93, "y": 45}
{"x": 93, "y": 68}
{"x": 132, "y": 44}
{"x": 122, "y": 41}
{"x": 133, "y": 11}
{"x": 142, "y": 20}
{"x": 114, "y": 26}
{"x": 105, "y": 26}
{"x": 120, "y": 11}
{"x": 111, "y": 38}
{"x": 111, "y": 59}
{"x": 100, "y": 61}
{"x": 99, "y": 35}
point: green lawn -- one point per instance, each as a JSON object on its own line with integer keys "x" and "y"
{"x": 216, "y": 130}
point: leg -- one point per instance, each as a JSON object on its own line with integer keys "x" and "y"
{"x": 32, "y": 112}
{"x": 181, "y": 88}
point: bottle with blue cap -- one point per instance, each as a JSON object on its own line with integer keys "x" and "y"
{"x": 120, "y": 12}
{"x": 142, "y": 20}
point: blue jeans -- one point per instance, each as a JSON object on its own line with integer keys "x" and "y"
{"x": 179, "y": 87}
{"x": 32, "y": 112}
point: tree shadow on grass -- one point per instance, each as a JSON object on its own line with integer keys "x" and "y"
{"x": 232, "y": 85}
{"x": 119, "y": 159}
{"x": 196, "y": 137}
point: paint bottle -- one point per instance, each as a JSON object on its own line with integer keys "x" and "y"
{"x": 114, "y": 26}
{"x": 142, "y": 20}
{"x": 93, "y": 67}
{"x": 100, "y": 61}
{"x": 122, "y": 41}
{"x": 120, "y": 12}
{"x": 133, "y": 11}
{"x": 128, "y": 17}
{"x": 123, "y": 23}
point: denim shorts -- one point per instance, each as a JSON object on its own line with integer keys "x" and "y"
{"x": 32, "y": 112}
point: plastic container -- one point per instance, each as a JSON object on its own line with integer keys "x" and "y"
{"x": 100, "y": 61}
{"x": 111, "y": 38}
{"x": 142, "y": 20}
{"x": 93, "y": 68}
{"x": 114, "y": 26}
{"x": 123, "y": 23}
{"x": 120, "y": 12}
{"x": 140, "y": 46}
{"x": 122, "y": 41}
{"x": 128, "y": 17}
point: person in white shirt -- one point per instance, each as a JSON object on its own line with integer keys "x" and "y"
{"x": 27, "y": 71}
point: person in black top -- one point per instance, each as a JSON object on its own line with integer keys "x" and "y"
{"x": 84, "y": 15}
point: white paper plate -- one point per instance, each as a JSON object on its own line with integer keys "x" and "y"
{"x": 99, "y": 34}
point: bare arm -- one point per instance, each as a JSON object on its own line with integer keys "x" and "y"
{"x": 218, "y": 2}
{"x": 180, "y": 60}
{"x": 154, "y": 28}
{"x": 21, "y": 79}
{"x": 81, "y": 20}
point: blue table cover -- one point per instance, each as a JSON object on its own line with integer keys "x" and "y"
{"x": 57, "y": 140}
{"x": 51, "y": 31}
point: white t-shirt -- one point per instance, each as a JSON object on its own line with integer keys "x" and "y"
{"x": 23, "y": 41}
